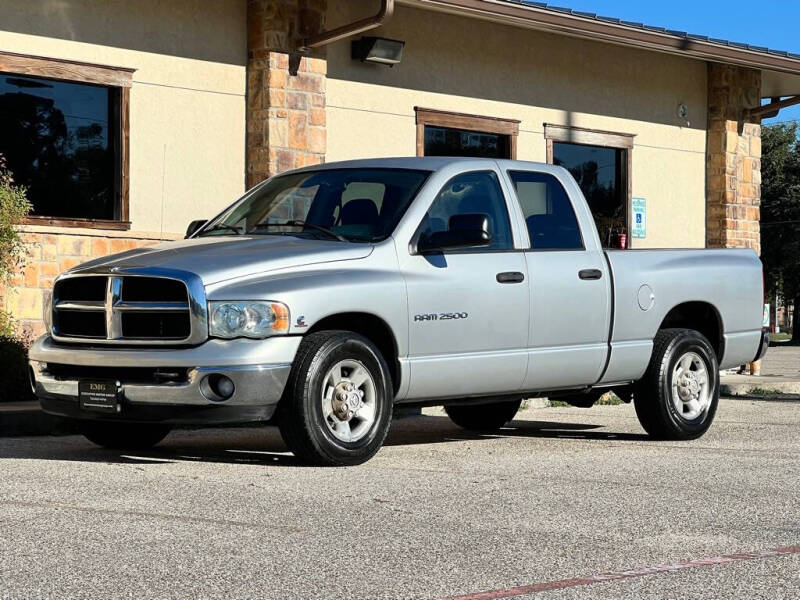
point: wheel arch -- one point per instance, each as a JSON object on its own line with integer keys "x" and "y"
{"x": 372, "y": 327}
{"x": 699, "y": 316}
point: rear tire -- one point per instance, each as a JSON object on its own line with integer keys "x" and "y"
{"x": 337, "y": 406}
{"x": 678, "y": 396}
{"x": 483, "y": 417}
{"x": 123, "y": 436}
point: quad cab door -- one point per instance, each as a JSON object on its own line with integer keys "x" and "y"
{"x": 468, "y": 307}
{"x": 570, "y": 285}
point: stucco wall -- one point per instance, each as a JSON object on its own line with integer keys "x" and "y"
{"x": 466, "y": 65}
{"x": 187, "y": 112}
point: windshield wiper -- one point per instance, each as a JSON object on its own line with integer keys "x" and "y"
{"x": 222, "y": 227}
{"x": 299, "y": 223}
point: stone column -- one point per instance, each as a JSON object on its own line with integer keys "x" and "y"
{"x": 285, "y": 113}
{"x": 733, "y": 157}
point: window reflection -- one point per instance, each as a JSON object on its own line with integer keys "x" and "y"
{"x": 59, "y": 142}
{"x": 444, "y": 141}
{"x": 601, "y": 174}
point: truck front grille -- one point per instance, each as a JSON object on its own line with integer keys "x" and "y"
{"x": 122, "y": 309}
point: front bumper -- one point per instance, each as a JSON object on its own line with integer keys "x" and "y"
{"x": 259, "y": 370}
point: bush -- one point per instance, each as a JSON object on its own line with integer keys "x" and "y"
{"x": 14, "y": 385}
{"x": 14, "y": 207}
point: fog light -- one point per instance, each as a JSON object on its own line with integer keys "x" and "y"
{"x": 217, "y": 388}
{"x": 32, "y": 380}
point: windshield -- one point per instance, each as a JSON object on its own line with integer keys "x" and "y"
{"x": 354, "y": 205}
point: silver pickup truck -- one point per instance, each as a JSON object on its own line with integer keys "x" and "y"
{"x": 326, "y": 296}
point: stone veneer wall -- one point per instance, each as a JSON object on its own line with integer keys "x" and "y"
{"x": 734, "y": 158}
{"x": 285, "y": 113}
{"x": 52, "y": 251}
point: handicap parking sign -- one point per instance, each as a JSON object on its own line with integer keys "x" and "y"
{"x": 639, "y": 218}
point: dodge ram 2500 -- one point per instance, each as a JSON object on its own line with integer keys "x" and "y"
{"x": 328, "y": 295}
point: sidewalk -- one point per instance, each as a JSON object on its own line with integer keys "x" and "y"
{"x": 780, "y": 375}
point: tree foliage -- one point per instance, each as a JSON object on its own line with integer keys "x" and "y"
{"x": 780, "y": 212}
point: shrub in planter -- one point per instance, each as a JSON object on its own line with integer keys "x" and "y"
{"x": 14, "y": 385}
{"x": 14, "y": 207}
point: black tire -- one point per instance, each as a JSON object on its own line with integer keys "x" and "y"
{"x": 123, "y": 436}
{"x": 653, "y": 394}
{"x": 483, "y": 417}
{"x": 300, "y": 413}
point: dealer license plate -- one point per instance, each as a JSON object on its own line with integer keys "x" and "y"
{"x": 98, "y": 396}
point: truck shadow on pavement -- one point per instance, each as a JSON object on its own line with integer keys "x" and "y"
{"x": 263, "y": 445}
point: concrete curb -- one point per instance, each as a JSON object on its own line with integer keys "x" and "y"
{"x": 786, "y": 398}
{"x": 766, "y": 388}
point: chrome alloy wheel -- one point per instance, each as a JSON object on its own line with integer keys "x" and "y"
{"x": 349, "y": 400}
{"x": 691, "y": 389}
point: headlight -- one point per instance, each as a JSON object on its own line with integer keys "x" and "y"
{"x": 247, "y": 318}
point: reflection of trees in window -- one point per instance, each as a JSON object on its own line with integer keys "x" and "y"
{"x": 445, "y": 141}
{"x": 600, "y": 173}
{"x": 58, "y": 144}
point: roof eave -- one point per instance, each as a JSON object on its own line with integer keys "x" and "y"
{"x": 611, "y": 32}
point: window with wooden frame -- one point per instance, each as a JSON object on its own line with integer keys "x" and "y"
{"x": 66, "y": 139}
{"x": 441, "y": 133}
{"x": 600, "y": 161}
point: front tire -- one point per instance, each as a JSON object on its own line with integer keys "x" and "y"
{"x": 337, "y": 407}
{"x": 677, "y": 398}
{"x": 123, "y": 436}
{"x": 483, "y": 417}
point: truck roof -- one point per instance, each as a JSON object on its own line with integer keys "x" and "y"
{"x": 425, "y": 163}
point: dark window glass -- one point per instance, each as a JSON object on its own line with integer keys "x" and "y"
{"x": 471, "y": 193}
{"x": 601, "y": 174}
{"x": 361, "y": 205}
{"x": 59, "y": 140}
{"x": 443, "y": 141}
{"x": 548, "y": 212}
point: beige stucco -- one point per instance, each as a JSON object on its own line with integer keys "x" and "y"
{"x": 187, "y": 107}
{"x": 466, "y": 65}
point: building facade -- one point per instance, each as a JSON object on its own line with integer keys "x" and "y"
{"x": 129, "y": 119}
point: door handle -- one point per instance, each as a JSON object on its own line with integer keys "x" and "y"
{"x": 590, "y": 274}
{"x": 510, "y": 277}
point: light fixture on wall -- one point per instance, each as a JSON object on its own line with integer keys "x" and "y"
{"x": 683, "y": 113}
{"x": 382, "y": 51}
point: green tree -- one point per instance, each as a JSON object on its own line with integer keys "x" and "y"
{"x": 780, "y": 213}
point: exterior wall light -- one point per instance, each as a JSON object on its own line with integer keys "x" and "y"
{"x": 378, "y": 50}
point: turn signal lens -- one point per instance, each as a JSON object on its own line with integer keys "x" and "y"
{"x": 247, "y": 318}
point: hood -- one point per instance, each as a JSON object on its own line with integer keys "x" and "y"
{"x": 221, "y": 258}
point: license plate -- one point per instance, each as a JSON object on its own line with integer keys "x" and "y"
{"x": 98, "y": 396}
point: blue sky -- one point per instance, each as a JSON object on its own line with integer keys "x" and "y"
{"x": 771, "y": 24}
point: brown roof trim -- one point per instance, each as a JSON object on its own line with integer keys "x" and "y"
{"x": 617, "y": 33}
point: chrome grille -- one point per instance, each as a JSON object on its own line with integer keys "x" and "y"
{"x": 110, "y": 308}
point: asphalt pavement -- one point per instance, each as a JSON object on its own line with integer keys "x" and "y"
{"x": 565, "y": 503}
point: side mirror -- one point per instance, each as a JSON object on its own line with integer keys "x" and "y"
{"x": 464, "y": 231}
{"x": 194, "y": 226}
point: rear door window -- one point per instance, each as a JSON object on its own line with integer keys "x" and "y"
{"x": 549, "y": 215}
